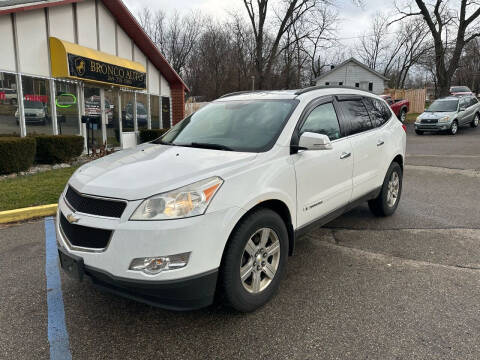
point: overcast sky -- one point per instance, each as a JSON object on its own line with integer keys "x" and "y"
{"x": 355, "y": 20}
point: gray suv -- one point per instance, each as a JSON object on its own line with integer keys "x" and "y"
{"x": 448, "y": 113}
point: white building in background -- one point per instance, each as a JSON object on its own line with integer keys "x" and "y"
{"x": 61, "y": 59}
{"x": 354, "y": 74}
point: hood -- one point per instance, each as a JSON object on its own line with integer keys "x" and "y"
{"x": 152, "y": 169}
{"x": 436, "y": 114}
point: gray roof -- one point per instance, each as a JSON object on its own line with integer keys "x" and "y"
{"x": 352, "y": 59}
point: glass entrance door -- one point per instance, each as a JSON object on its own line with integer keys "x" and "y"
{"x": 112, "y": 113}
{"x": 92, "y": 109}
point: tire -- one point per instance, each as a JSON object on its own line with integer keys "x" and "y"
{"x": 475, "y": 120}
{"x": 403, "y": 115}
{"x": 13, "y": 102}
{"x": 453, "y": 128}
{"x": 419, "y": 132}
{"x": 247, "y": 295}
{"x": 382, "y": 205}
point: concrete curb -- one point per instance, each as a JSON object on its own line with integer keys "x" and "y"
{"x": 27, "y": 213}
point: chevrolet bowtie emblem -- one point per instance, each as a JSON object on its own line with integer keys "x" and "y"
{"x": 72, "y": 218}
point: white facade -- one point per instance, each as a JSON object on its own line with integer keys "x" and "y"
{"x": 26, "y": 60}
{"x": 353, "y": 74}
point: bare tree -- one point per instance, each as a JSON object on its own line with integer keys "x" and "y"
{"x": 443, "y": 16}
{"x": 175, "y": 36}
{"x": 266, "y": 52}
{"x": 374, "y": 44}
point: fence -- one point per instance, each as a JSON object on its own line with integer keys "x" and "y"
{"x": 416, "y": 97}
{"x": 191, "y": 107}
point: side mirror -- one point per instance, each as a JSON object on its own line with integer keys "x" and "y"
{"x": 313, "y": 141}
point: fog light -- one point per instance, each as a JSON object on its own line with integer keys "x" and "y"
{"x": 157, "y": 264}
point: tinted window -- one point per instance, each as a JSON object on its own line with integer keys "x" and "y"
{"x": 473, "y": 101}
{"x": 251, "y": 125}
{"x": 322, "y": 120}
{"x": 379, "y": 112}
{"x": 357, "y": 114}
{"x": 464, "y": 102}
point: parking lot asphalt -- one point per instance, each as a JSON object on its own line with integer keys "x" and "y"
{"x": 404, "y": 287}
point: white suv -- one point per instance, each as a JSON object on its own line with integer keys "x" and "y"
{"x": 215, "y": 205}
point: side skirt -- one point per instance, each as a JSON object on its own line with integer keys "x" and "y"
{"x": 336, "y": 213}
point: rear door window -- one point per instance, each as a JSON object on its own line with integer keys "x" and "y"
{"x": 473, "y": 101}
{"x": 379, "y": 111}
{"x": 357, "y": 114}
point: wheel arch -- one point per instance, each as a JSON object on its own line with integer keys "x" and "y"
{"x": 282, "y": 209}
{"x": 398, "y": 159}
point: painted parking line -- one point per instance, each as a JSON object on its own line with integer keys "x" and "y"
{"x": 57, "y": 329}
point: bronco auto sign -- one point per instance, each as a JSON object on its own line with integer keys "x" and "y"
{"x": 90, "y": 69}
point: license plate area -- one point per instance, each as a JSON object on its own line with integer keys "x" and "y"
{"x": 72, "y": 265}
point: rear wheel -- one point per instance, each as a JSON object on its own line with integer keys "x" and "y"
{"x": 475, "y": 121}
{"x": 387, "y": 201}
{"x": 255, "y": 260}
{"x": 419, "y": 132}
{"x": 403, "y": 115}
{"x": 453, "y": 128}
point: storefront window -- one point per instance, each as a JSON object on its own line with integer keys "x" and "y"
{"x": 9, "y": 118}
{"x": 155, "y": 111}
{"x": 127, "y": 111}
{"x": 66, "y": 103}
{"x": 142, "y": 113}
{"x": 165, "y": 112}
{"x": 92, "y": 109}
{"x": 36, "y": 95}
{"x": 111, "y": 109}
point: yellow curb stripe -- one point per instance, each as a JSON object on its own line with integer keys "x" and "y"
{"x": 27, "y": 213}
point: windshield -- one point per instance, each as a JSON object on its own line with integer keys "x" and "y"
{"x": 443, "y": 106}
{"x": 460, "y": 89}
{"x": 33, "y": 105}
{"x": 251, "y": 126}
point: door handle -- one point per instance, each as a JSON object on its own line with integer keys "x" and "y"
{"x": 345, "y": 155}
{"x": 380, "y": 142}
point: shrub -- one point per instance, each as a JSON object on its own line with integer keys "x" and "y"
{"x": 152, "y": 134}
{"x": 52, "y": 149}
{"x": 16, "y": 154}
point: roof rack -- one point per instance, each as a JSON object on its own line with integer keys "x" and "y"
{"x": 238, "y": 93}
{"x": 312, "y": 88}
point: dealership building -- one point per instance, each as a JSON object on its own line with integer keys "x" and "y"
{"x": 61, "y": 59}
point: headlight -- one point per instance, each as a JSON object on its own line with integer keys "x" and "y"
{"x": 418, "y": 119}
{"x": 187, "y": 201}
{"x": 444, "y": 119}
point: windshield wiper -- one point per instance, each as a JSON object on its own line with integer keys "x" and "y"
{"x": 209, "y": 146}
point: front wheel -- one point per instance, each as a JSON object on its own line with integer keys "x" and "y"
{"x": 475, "y": 121}
{"x": 403, "y": 115}
{"x": 255, "y": 260}
{"x": 387, "y": 201}
{"x": 453, "y": 128}
{"x": 419, "y": 132}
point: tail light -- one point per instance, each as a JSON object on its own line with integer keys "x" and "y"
{"x": 404, "y": 127}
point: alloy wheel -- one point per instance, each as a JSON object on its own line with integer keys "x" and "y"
{"x": 393, "y": 189}
{"x": 260, "y": 260}
{"x": 476, "y": 121}
{"x": 454, "y": 128}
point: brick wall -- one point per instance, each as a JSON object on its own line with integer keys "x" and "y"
{"x": 178, "y": 104}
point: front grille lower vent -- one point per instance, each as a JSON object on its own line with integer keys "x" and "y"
{"x": 84, "y": 236}
{"x": 94, "y": 206}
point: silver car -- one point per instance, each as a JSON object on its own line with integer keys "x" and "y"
{"x": 448, "y": 113}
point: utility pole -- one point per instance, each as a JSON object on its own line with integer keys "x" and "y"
{"x": 253, "y": 82}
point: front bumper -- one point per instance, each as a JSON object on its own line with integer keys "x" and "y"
{"x": 186, "y": 294}
{"x": 433, "y": 127}
{"x": 192, "y": 286}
